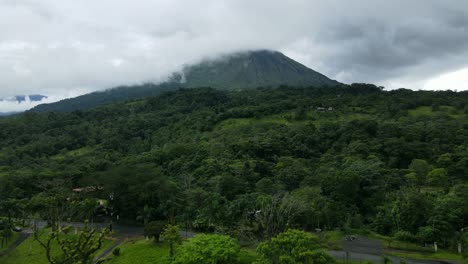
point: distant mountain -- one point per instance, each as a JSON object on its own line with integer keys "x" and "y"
{"x": 241, "y": 70}
{"x": 251, "y": 70}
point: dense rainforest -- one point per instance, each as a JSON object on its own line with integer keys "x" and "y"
{"x": 252, "y": 163}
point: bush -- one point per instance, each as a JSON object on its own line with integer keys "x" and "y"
{"x": 209, "y": 249}
{"x": 293, "y": 246}
{"x": 154, "y": 229}
{"x": 116, "y": 251}
{"x": 404, "y": 236}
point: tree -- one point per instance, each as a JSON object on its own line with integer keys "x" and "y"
{"x": 316, "y": 206}
{"x": 293, "y": 246}
{"x": 464, "y": 242}
{"x": 277, "y": 213}
{"x": 438, "y": 177}
{"x": 171, "y": 235}
{"x": 145, "y": 214}
{"x": 5, "y": 231}
{"x": 74, "y": 248}
{"x": 446, "y": 218}
{"x": 209, "y": 249}
{"x": 154, "y": 229}
{"x": 420, "y": 168}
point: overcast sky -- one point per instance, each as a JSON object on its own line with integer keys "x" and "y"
{"x": 63, "y": 48}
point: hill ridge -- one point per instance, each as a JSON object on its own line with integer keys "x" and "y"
{"x": 240, "y": 70}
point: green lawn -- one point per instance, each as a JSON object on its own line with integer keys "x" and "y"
{"x": 414, "y": 251}
{"x": 32, "y": 253}
{"x": 141, "y": 251}
{"x": 441, "y": 255}
{"x": 332, "y": 239}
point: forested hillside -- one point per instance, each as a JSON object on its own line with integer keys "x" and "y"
{"x": 241, "y": 70}
{"x": 252, "y": 163}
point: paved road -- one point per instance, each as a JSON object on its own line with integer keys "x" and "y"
{"x": 355, "y": 256}
{"x": 367, "y": 249}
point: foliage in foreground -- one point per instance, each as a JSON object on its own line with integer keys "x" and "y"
{"x": 251, "y": 163}
{"x": 78, "y": 248}
{"x": 209, "y": 249}
{"x": 293, "y": 246}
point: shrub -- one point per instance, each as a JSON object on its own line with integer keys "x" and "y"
{"x": 116, "y": 251}
{"x": 404, "y": 236}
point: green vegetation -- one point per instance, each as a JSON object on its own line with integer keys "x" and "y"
{"x": 332, "y": 239}
{"x": 141, "y": 251}
{"x": 253, "y": 69}
{"x": 74, "y": 248}
{"x": 428, "y": 256}
{"x": 172, "y": 237}
{"x": 249, "y": 164}
{"x": 244, "y": 70}
{"x": 8, "y": 242}
{"x": 210, "y": 249}
{"x": 31, "y": 252}
{"x": 293, "y": 246}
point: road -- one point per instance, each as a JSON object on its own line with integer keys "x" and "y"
{"x": 367, "y": 249}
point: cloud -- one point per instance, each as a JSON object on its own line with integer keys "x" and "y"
{"x": 457, "y": 80}
{"x": 55, "y": 46}
{"x": 12, "y": 105}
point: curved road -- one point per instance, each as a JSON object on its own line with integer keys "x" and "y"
{"x": 367, "y": 249}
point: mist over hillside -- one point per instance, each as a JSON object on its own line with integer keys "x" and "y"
{"x": 242, "y": 70}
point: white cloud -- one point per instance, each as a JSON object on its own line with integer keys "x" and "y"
{"x": 53, "y": 46}
{"x": 10, "y": 105}
{"x": 457, "y": 80}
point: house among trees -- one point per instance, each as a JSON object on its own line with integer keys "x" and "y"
{"x": 324, "y": 109}
{"x": 88, "y": 189}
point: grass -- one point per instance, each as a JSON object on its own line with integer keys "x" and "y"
{"x": 32, "y": 253}
{"x": 248, "y": 255}
{"x": 427, "y": 111}
{"x": 317, "y": 118}
{"x": 332, "y": 239}
{"x": 13, "y": 238}
{"x": 419, "y": 111}
{"x": 413, "y": 251}
{"x": 441, "y": 255}
{"x": 141, "y": 251}
{"x": 236, "y": 122}
{"x": 72, "y": 153}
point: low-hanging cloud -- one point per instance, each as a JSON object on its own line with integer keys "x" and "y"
{"x": 53, "y": 47}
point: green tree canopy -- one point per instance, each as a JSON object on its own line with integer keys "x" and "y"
{"x": 293, "y": 246}
{"x": 209, "y": 249}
